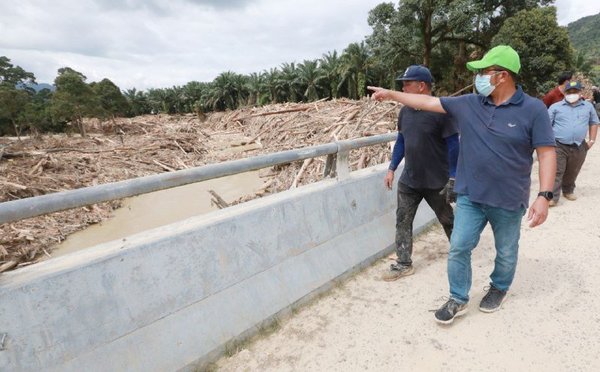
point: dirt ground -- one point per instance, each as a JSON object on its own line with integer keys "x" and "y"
{"x": 146, "y": 145}
{"x": 549, "y": 322}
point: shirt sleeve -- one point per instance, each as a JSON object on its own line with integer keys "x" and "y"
{"x": 397, "y": 153}
{"x": 452, "y": 143}
{"x": 593, "y": 115}
{"x": 541, "y": 130}
{"x": 449, "y": 104}
{"x": 552, "y": 114}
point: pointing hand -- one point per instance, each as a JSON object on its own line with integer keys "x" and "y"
{"x": 379, "y": 94}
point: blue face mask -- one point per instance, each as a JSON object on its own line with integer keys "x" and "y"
{"x": 483, "y": 84}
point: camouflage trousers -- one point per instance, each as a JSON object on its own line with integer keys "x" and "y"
{"x": 408, "y": 202}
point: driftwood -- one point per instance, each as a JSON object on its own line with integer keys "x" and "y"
{"x": 164, "y": 166}
{"x": 8, "y": 265}
{"x": 12, "y": 155}
{"x": 217, "y": 200}
{"x": 156, "y": 143}
{"x": 14, "y": 185}
{"x": 305, "y": 164}
{"x": 275, "y": 112}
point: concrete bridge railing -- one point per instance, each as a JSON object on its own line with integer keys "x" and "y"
{"x": 174, "y": 297}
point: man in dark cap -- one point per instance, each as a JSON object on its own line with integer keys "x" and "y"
{"x": 428, "y": 141}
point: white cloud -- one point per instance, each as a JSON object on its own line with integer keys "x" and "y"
{"x": 572, "y": 10}
{"x": 154, "y": 43}
{"x": 147, "y": 44}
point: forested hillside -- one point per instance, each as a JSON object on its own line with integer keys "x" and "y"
{"x": 585, "y": 36}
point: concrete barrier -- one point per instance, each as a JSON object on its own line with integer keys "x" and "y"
{"x": 172, "y": 298}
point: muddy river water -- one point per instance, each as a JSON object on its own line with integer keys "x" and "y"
{"x": 160, "y": 208}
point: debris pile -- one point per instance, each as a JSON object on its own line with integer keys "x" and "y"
{"x": 124, "y": 148}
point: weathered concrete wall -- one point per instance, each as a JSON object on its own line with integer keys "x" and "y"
{"x": 172, "y": 297}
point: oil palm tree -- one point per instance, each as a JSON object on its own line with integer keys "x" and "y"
{"x": 355, "y": 62}
{"x": 223, "y": 93}
{"x": 310, "y": 77}
{"x": 289, "y": 83}
{"x": 330, "y": 65}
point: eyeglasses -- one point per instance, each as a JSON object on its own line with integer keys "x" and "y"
{"x": 490, "y": 72}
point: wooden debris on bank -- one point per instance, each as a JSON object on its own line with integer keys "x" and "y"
{"x": 151, "y": 144}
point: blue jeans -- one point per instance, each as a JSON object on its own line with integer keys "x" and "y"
{"x": 469, "y": 220}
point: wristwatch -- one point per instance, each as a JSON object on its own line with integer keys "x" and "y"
{"x": 549, "y": 195}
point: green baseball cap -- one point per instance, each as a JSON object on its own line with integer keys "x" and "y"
{"x": 502, "y": 55}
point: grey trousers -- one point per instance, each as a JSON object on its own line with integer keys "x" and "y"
{"x": 569, "y": 159}
{"x": 408, "y": 202}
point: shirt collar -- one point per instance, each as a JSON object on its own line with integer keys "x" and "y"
{"x": 516, "y": 98}
{"x": 579, "y": 103}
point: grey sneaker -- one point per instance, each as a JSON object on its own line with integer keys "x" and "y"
{"x": 449, "y": 311}
{"x": 492, "y": 300}
{"x": 397, "y": 271}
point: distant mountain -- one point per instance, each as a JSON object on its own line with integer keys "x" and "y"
{"x": 37, "y": 87}
{"x": 41, "y": 86}
{"x": 585, "y": 36}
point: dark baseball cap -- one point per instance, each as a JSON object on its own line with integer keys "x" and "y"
{"x": 573, "y": 85}
{"x": 416, "y": 73}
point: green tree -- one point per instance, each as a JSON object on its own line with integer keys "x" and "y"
{"x": 309, "y": 78}
{"x": 543, "y": 46}
{"x": 227, "y": 91}
{"x": 288, "y": 82}
{"x": 355, "y": 62}
{"x": 272, "y": 79}
{"x": 14, "y": 94}
{"x": 73, "y": 99}
{"x": 111, "y": 100}
{"x": 157, "y": 100}
{"x": 193, "y": 93}
{"x": 37, "y": 116}
{"x": 330, "y": 65}
{"x": 14, "y": 75}
{"x": 137, "y": 102}
{"x": 438, "y": 33}
{"x": 583, "y": 64}
{"x": 175, "y": 100}
{"x": 585, "y": 35}
{"x": 256, "y": 87}
{"x": 12, "y": 105}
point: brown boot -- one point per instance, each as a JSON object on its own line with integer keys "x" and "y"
{"x": 570, "y": 197}
{"x": 396, "y": 272}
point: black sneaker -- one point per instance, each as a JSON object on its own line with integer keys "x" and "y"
{"x": 449, "y": 311}
{"x": 492, "y": 300}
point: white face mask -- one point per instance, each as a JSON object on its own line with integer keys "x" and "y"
{"x": 572, "y": 98}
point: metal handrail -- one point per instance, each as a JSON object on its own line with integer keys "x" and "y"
{"x": 16, "y": 210}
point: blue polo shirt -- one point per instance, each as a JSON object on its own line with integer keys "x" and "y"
{"x": 571, "y": 123}
{"x": 496, "y": 146}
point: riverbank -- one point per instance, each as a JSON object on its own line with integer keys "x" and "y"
{"x": 549, "y": 321}
{"x": 135, "y": 147}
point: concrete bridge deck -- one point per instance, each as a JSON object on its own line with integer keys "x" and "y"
{"x": 549, "y": 322}
{"x": 178, "y": 296}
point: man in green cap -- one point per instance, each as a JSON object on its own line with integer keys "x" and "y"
{"x": 500, "y": 127}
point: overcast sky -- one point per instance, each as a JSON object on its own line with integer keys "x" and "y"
{"x": 159, "y": 43}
